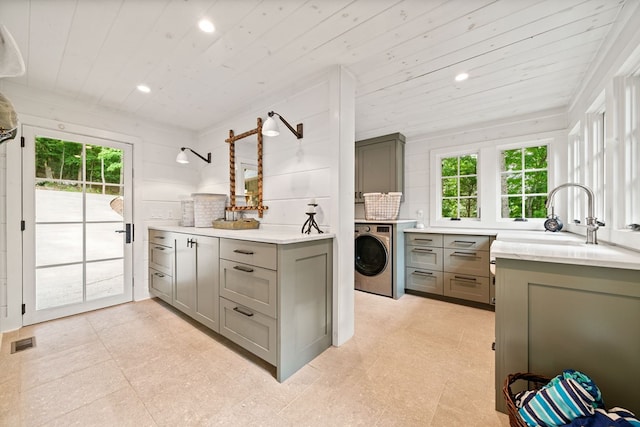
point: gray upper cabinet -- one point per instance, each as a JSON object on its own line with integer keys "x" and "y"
{"x": 379, "y": 165}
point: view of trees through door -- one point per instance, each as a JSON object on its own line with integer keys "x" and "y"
{"x": 80, "y": 227}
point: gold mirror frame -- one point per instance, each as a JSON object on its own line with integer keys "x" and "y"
{"x": 232, "y": 170}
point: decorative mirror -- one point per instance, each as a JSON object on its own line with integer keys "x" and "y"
{"x": 245, "y": 172}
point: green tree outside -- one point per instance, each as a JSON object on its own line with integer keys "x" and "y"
{"x": 59, "y": 165}
{"x": 459, "y": 186}
{"x": 524, "y": 179}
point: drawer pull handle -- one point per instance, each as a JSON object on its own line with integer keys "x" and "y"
{"x": 158, "y": 274}
{"x": 464, "y": 242}
{"x": 422, "y": 250}
{"x": 422, "y": 273}
{"x": 158, "y": 248}
{"x": 242, "y": 268}
{"x": 465, "y": 254}
{"x": 465, "y": 279}
{"x": 241, "y": 311}
{"x": 243, "y": 251}
{"x": 423, "y": 240}
{"x": 159, "y": 237}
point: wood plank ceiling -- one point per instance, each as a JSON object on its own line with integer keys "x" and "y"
{"x": 523, "y": 56}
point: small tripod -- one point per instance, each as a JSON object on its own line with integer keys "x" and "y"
{"x": 311, "y": 221}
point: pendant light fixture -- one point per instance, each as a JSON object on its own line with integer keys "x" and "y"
{"x": 182, "y": 156}
{"x": 270, "y": 126}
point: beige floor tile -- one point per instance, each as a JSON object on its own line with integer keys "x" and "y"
{"x": 59, "y": 335}
{"x": 40, "y": 370}
{"x": 10, "y": 413}
{"x": 116, "y": 315}
{"x": 121, "y": 408}
{"x": 55, "y": 398}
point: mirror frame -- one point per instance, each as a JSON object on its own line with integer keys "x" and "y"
{"x": 232, "y": 170}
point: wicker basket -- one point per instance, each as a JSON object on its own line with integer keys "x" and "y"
{"x": 536, "y": 382}
{"x": 381, "y": 206}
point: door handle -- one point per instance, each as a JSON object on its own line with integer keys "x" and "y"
{"x": 128, "y": 230}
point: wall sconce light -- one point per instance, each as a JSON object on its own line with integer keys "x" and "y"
{"x": 182, "y": 156}
{"x": 270, "y": 126}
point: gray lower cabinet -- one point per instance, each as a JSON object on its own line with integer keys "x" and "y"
{"x": 275, "y": 300}
{"x": 161, "y": 265}
{"x": 196, "y": 277}
{"x": 452, "y": 265}
{"x": 551, "y": 317}
{"x": 424, "y": 263}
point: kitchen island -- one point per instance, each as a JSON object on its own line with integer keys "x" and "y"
{"x": 269, "y": 290}
{"x": 561, "y": 304}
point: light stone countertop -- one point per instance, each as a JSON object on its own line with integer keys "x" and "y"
{"x": 454, "y": 230}
{"x": 384, "y": 221}
{"x": 264, "y": 234}
{"x": 562, "y": 248}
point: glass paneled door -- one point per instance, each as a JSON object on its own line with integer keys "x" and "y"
{"x": 78, "y": 230}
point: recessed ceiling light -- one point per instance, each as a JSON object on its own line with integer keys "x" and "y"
{"x": 462, "y": 76}
{"x": 143, "y": 88}
{"x": 206, "y": 26}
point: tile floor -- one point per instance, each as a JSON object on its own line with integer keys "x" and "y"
{"x": 412, "y": 362}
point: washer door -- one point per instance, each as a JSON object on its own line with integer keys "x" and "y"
{"x": 371, "y": 255}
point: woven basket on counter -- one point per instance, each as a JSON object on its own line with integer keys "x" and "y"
{"x": 535, "y": 382}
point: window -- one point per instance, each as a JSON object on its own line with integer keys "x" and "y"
{"x": 459, "y": 183}
{"x": 631, "y": 145}
{"x": 523, "y": 182}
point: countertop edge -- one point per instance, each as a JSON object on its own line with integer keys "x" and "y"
{"x": 468, "y": 231}
{"x": 606, "y": 256}
{"x": 282, "y": 236}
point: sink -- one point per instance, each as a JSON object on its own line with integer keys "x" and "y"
{"x": 541, "y": 237}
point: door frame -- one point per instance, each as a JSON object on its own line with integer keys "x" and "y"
{"x": 14, "y": 319}
{"x": 29, "y": 237}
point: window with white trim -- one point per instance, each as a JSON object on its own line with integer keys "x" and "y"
{"x": 459, "y": 186}
{"x": 523, "y": 182}
{"x": 631, "y": 146}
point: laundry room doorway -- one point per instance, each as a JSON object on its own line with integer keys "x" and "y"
{"x": 77, "y": 221}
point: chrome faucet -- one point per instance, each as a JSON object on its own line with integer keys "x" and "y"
{"x": 592, "y": 225}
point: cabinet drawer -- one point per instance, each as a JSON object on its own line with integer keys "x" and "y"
{"x": 252, "y": 330}
{"x": 463, "y": 241}
{"x": 475, "y": 263}
{"x": 424, "y": 257}
{"x": 160, "y": 285}
{"x": 161, "y": 238}
{"x": 424, "y": 280}
{"x": 161, "y": 258}
{"x": 424, "y": 239}
{"x": 252, "y": 253}
{"x": 472, "y": 288}
{"x": 253, "y": 287}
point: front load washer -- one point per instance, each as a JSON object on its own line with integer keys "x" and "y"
{"x": 373, "y": 258}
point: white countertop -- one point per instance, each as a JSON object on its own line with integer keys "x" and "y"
{"x": 383, "y": 221}
{"x": 454, "y": 230}
{"x": 277, "y": 235}
{"x": 562, "y": 248}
